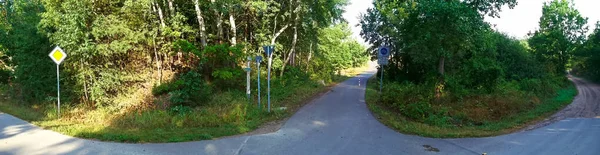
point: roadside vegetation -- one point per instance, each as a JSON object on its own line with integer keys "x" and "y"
{"x": 166, "y": 70}
{"x": 587, "y": 57}
{"x": 452, "y": 75}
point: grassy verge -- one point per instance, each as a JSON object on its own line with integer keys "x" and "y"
{"x": 395, "y": 120}
{"x": 228, "y": 113}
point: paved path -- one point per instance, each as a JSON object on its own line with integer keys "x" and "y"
{"x": 336, "y": 123}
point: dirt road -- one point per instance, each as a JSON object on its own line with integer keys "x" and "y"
{"x": 585, "y": 105}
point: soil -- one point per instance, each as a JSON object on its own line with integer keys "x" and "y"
{"x": 585, "y": 105}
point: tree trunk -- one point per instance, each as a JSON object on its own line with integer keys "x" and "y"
{"x": 284, "y": 63}
{"x": 160, "y": 15}
{"x": 171, "y": 8}
{"x": 440, "y": 86}
{"x": 219, "y": 22}
{"x": 200, "y": 23}
{"x": 85, "y": 89}
{"x": 441, "y": 66}
{"x": 278, "y": 33}
{"x": 158, "y": 63}
{"x": 294, "y": 40}
{"x": 233, "y": 28}
{"x": 309, "y": 56}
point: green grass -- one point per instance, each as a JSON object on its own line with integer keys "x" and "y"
{"x": 229, "y": 113}
{"x": 400, "y": 123}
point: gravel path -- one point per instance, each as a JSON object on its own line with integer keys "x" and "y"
{"x": 585, "y": 105}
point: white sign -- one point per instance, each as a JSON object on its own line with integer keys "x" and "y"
{"x": 57, "y": 55}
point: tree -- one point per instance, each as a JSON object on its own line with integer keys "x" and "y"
{"x": 425, "y": 34}
{"x": 337, "y": 50}
{"x": 26, "y": 50}
{"x": 116, "y": 48}
{"x": 562, "y": 30}
{"x": 589, "y": 55}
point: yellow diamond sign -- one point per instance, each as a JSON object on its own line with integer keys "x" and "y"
{"x": 57, "y": 55}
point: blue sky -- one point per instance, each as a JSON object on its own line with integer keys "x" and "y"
{"x": 515, "y": 22}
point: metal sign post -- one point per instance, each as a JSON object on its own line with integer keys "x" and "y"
{"x": 58, "y": 56}
{"x": 269, "y": 51}
{"x": 248, "y": 69}
{"x": 383, "y": 56}
{"x": 381, "y": 80}
{"x": 258, "y": 60}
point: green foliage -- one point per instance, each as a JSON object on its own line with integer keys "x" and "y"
{"x": 192, "y": 90}
{"x": 450, "y": 69}
{"x": 589, "y": 55}
{"x": 167, "y": 87}
{"x": 5, "y": 76}
{"x": 222, "y": 64}
{"x": 562, "y": 30}
{"x": 337, "y": 51}
{"x": 34, "y": 75}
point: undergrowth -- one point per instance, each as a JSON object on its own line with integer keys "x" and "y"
{"x": 413, "y": 109}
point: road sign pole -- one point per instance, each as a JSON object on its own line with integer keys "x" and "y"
{"x": 248, "y": 80}
{"x": 58, "y": 87}
{"x": 382, "y": 56}
{"x": 58, "y": 56}
{"x": 381, "y": 80}
{"x": 269, "y": 51}
{"x": 258, "y": 66}
{"x": 269, "y": 85}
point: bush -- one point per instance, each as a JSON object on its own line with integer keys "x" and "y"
{"x": 419, "y": 110}
{"x": 221, "y": 63}
{"x": 530, "y": 85}
{"x": 5, "y": 75}
{"x": 167, "y": 87}
{"x": 188, "y": 90}
{"x": 192, "y": 92}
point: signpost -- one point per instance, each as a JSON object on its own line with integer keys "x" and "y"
{"x": 58, "y": 56}
{"x": 258, "y": 60}
{"x": 269, "y": 51}
{"x": 247, "y": 69}
{"x": 382, "y": 56}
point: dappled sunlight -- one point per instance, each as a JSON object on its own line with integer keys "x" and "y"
{"x": 515, "y": 142}
{"x": 318, "y": 123}
{"x": 13, "y": 130}
{"x": 211, "y": 149}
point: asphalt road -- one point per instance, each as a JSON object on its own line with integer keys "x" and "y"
{"x": 336, "y": 123}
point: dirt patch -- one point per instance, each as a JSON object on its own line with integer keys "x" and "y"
{"x": 585, "y": 105}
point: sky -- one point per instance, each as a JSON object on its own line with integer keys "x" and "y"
{"x": 516, "y": 22}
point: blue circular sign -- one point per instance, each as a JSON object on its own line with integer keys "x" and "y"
{"x": 384, "y": 51}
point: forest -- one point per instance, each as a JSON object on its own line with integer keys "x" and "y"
{"x": 168, "y": 64}
{"x": 451, "y": 74}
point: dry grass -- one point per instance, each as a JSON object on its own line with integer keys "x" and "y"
{"x": 481, "y": 116}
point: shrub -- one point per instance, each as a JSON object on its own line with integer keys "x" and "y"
{"x": 530, "y": 85}
{"x": 419, "y": 110}
{"x": 5, "y": 75}
{"x": 193, "y": 91}
{"x": 167, "y": 87}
